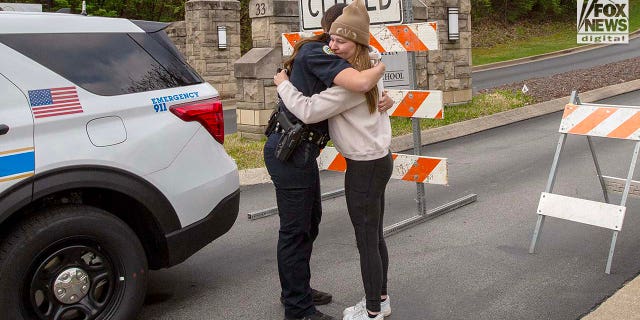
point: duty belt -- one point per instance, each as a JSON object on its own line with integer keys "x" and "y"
{"x": 308, "y": 135}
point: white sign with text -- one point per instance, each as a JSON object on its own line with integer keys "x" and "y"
{"x": 397, "y": 74}
{"x": 380, "y": 11}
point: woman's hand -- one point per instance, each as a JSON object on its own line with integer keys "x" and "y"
{"x": 280, "y": 77}
{"x": 385, "y": 102}
{"x": 380, "y": 66}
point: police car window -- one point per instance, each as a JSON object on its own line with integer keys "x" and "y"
{"x": 105, "y": 64}
{"x": 172, "y": 61}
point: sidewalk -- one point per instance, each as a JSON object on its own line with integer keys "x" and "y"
{"x": 624, "y": 304}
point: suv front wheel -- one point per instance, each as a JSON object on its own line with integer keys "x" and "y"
{"x": 72, "y": 262}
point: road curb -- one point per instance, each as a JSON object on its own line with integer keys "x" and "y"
{"x": 460, "y": 129}
{"x": 624, "y": 304}
{"x": 254, "y": 176}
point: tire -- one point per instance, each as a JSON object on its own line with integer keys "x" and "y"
{"x": 72, "y": 262}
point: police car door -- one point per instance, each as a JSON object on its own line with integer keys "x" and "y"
{"x": 17, "y": 159}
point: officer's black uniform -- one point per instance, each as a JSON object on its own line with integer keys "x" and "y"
{"x": 297, "y": 182}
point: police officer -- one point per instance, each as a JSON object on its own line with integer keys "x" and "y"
{"x": 312, "y": 69}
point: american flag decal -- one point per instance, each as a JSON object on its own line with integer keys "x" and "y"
{"x": 54, "y": 102}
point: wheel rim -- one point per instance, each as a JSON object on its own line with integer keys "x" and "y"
{"x": 74, "y": 280}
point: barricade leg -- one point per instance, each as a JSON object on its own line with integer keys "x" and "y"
{"x": 623, "y": 203}
{"x": 430, "y": 214}
{"x": 536, "y": 233}
{"x": 632, "y": 168}
{"x": 424, "y": 214}
{"x": 417, "y": 143}
{"x": 600, "y": 178}
{"x": 549, "y": 188}
{"x": 554, "y": 166}
{"x": 607, "y": 270}
{"x": 274, "y": 210}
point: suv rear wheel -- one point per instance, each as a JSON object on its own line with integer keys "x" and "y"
{"x": 72, "y": 262}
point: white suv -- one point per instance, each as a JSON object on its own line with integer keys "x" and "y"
{"x": 111, "y": 163}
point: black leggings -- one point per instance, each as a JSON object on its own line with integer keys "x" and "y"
{"x": 364, "y": 184}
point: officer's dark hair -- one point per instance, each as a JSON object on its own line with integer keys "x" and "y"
{"x": 331, "y": 15}
{"x": 327, "y": 19}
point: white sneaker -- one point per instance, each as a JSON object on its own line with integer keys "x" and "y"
{"x": 385, "y": 307}
{"x": 362, "y": 314}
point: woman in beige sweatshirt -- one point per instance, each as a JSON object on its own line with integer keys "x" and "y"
{"x": 362, "y": 134}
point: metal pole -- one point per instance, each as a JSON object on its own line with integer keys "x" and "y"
{"x": 415, "y": 122}
{"x": 574, "y": 97}
{"x": 607, "y": 269}
{"x": 554, "y": 166}
{"x": 632, "y": 168}
{"x": 623, "y": 202}
{"x": 431, "y": 214}
{"x": 536, "y": 233}
{"x": 548, "y": 189}
{"x": 595, "y": 161}
{"x": 420, "y": 191}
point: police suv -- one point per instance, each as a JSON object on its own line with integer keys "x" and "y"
{"x": 111, "y": 163}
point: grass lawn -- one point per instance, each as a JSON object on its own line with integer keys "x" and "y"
{"x": 494, "y": 42}
{"x": 481, "y": 105}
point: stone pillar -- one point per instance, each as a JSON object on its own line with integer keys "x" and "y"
{"x": 254, "y": 71}
{"x": 214, "y": 64}
{"x": 177, "y": 32}
{"x": 447, "y": 69}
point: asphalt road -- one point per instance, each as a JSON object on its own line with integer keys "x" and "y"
{"x": 468, "y": 264}
{"x": 564, "y": 63}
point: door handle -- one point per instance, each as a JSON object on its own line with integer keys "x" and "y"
{"x": 4, "y": 129}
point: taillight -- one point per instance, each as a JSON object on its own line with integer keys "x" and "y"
{"x": 208, "y": 112}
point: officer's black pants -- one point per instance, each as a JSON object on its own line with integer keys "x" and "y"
{"x": 297, "y": 184}
{"x": 364, "y": 184}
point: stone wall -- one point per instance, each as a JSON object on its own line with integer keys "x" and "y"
{"x": 197, "y": 38}
{"x": 177, "y": 32}
{"x": 254, "y": 71}
{"x": 447, "y": 69}
{"x": 215, "y": 65}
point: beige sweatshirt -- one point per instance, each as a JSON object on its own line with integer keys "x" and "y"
{"x": 356, "y": 133}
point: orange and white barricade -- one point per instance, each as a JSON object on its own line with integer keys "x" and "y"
{"x": 405, "y": 166}
{"x": 593, "y": 120}
{"x": 424, "y": 104}
{"x": 415, "y": 104}
{"x": 386, "y": 38}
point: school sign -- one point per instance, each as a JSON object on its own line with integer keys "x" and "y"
{"x": 603, "y": 21}
{"x": 380, "y": 11}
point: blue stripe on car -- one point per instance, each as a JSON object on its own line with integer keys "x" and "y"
{"x": 17, "y": 163}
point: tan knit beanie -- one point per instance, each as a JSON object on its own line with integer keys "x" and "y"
{"x": 353, "y": 24}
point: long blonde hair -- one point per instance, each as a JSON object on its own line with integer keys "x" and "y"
{"x": 361, "y": 61}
